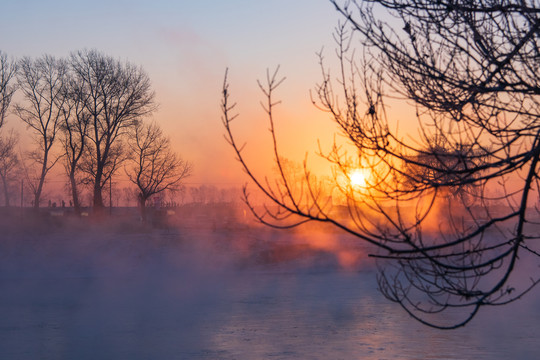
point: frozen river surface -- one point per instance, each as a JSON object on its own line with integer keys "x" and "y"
{"x": 157, "y": 297}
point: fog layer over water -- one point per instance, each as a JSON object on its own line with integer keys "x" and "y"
{"x": 121, "y": 291}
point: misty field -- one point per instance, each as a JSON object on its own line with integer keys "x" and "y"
{"x": 202, "y": 283}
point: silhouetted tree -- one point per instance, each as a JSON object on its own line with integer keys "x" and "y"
{"x": 118, "y": 96}
{"x": 42, "y": 82}
{"x": 442, "y": 167}
{"x": 471, "y": 69}
{"x": 8, "y": 70}
{"x": 154, "y": 166}
{"x": 75, "y": 123}
{"x": 9, "y": 162}
{"x": 8, "y": 156}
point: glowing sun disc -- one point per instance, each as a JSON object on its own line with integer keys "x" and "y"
{"x": 357, "y": 178}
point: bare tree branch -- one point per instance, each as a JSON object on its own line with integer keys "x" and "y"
{"x": 154, "y": 167}
{"x": 451, "y": 213}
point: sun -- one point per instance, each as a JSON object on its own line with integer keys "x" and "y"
{"x": 357, "y": 178}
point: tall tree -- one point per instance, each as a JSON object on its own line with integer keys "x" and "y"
{"x": 9, "y": 162}
{"x": 42, "y": 82}
{"x": 75, "y": 122}
{"x": 8, "y": 70}
{"x": 154, "y": 166}
{"x": 118, "y": 96}
{"x": 8, "y": 156}
{"x": 471, "y": 69}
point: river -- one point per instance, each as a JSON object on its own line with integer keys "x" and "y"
{"x": 119, "y": 299}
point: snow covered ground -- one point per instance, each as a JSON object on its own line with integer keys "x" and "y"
{"x": 123, "y": 292}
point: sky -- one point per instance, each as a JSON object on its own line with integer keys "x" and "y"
{"x": 185, "y": 47}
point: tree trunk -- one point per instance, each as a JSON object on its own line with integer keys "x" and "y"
{"x": 98, "y": 197}
{"x": 39, "y": 189}
{"x": 74, "y": 194}
{"x": 36, "y": 201}
{"x": 6, "y": 191}
{"x": 98, "y": 200}
{"x": 141, "y": 202}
